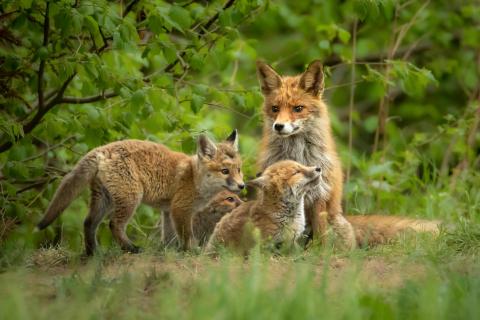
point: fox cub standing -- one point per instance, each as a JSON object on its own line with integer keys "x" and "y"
{"x": 205, "y": 219}
{"x": 297, "y": 127}
{"x": 278, "y": 213}
{"x": 123, "y": 174}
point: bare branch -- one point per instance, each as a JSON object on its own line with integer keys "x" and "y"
{"x": 41, "y": 69}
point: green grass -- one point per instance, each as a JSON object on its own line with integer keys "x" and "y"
{"x": 415, "y": 278}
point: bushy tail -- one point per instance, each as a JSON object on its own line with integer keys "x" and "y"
{"x": 70, "y": 187}
{"x": 376, "y": 229}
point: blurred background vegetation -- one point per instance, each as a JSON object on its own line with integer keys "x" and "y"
{"x": 402, "y": 86}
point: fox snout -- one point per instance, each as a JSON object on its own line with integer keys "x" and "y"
{"x": 235, "y": 185}
{"x": 285, "y": 128}
{"x": 313, "y": 172}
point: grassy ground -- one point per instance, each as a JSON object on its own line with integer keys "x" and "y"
{"x": 418, "y": 278}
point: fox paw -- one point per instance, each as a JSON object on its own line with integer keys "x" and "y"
{"x": 133, "y": 249}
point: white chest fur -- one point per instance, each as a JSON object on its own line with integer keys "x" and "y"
{"x": 307, "y": 149}
{"x": 290, "y": 223}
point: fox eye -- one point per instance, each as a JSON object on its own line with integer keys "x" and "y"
{"x": 239, "y": 170}
{"x": 297, "y": 109}
{"x": 230, "y": 199}
{"x": 225, "y": 171}
{"x": 275, "y": 109}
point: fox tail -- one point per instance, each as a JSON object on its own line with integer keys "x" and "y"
{"x": 378, "y": 229}
{"x": 70, "y": 187}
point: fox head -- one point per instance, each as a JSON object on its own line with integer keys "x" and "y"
{"x": 219, "y": 164}
{"x": 292, "y": 103}
{"x": 224, "y": 201}
{"x": 286, "y": 181}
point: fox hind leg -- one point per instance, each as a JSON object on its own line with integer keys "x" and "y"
{"x": 125, "y": 207}
{"x": 100, "y": 204}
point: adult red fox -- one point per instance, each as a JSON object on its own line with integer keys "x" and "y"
{"x": 297, "y": 127}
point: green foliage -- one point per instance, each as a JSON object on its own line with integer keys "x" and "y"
{"x": 166, "y": 71}
{"x": 78, "y": 74}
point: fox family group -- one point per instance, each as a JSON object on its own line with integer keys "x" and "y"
{"x": 299, "y": 187}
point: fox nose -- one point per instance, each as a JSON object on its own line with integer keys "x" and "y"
{"x": 318, "y": 169}
{"x": 278, "y": 126}
{"x": 241, "y": 186}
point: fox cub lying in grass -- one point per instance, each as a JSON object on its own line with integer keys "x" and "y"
{"x": 123, "y": 174}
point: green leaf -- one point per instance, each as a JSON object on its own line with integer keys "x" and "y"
{"x": 43, "y": 53}
{"x": 137, "y": 100}
{"x": 168, "y": 22}
{"x": 92, "y": 27}
{"x": 343, "y": 35}
{"x": 188, "y": 145}
{"x": 196, "y": 103}
{"x": 155, "y": 23}
{"x": 181, "y": 17}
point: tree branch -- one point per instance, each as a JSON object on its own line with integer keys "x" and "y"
{"x": 30, "y": 125}
{"x": 41, "y": 69}
{"x": 215, "y": 17}
{"x": 75, "y": 100}
{"x": 129, "y": 8}
{"x": 203, "y": 30}
{"x": 59, "y": 98}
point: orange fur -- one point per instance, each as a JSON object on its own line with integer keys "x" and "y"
{"x": 278, "y": 213}
{"x": 372, "y": 230}
{"x": 297, "y": 127}
{"x": 205, "y": 219}
{"x": 123, "y": 174}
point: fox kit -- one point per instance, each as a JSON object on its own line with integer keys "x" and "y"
{"x": 123, "y": 174}
{"x": 205, "y": 219}
{"x": 278, "y": 212}
{"x": 371, "y": 230}
{"x": 297, "y": 127}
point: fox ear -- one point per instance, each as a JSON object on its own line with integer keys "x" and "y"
{"x": 259, "y": 182}
{"x": 312, "y": 79}
{"x": 269, "y": 79}
{"x": 205, "y": 147}
{"x": 233, "y": 139}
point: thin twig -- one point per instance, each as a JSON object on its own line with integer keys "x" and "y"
{"x": 215, "y": 105}
{"x": 352, "y": 98}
